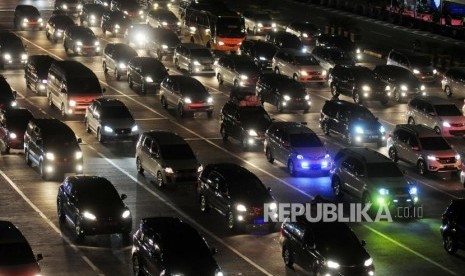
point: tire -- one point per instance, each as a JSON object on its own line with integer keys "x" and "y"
{"x": 287, "y": 257}
{"x": 220, "y": 79}
{"x": 232, "y": 225}
{"x": 295, "y": 77}
{"x": 163, "y": 102}
{"x": 334, "y": 90}
{"x": 276, "y": 71}
{"x": 291, "y": 168}
{"x": 47, "y": 35}
{"x": 159, "y": 55}
{"x": 104, "y": 67}
{"x": 224, "y": 134}
{"x": 160, "y": 183}
{"x": 254, "y": 31}
{"x": 204, "y": 207}
{"x": 100, "y": 136}
{"x": 393, "y": 154}
{"x": 450, "y": 245}
{"x": 26, "y": 157}
{"x": 117, "y": 74}
{"x": 180, "y": 111}
{"x": 50, "y": 102}
{"x": 411, "y": 121}
{"x": 60, "y": 213}
{"x": 437, "y": 130}
{"x": 137, "y": 267}
{"x": 189, "y": 70}
{"x": 130, "y": 82}
{"x": 421, "y": 166}
{"x": 357, "y": 98}
{"x": 269, "y": 155}
{"x": 448, "y": 91}
{"x": 139, "y": 168}
{"x": 337, "y": 187}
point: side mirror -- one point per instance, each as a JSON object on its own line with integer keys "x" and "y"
{"x": 39, "y": 257}
{"x": 14, "y": 93}
{"x": 63, "y": 90}
{"x": 269, "y": 189}
{"x": 363, "y": 242}
{"x": 123, "y": 196}
{"x": 79, "y": 140}
{"x": 213, "y": 250}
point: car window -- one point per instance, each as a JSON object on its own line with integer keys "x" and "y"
{"x": 349, "y": 164}
{"x": 412, "y": 140}
{"x": 147, "y": 143}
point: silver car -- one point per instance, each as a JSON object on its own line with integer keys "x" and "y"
{"x": 163, "y": 18}
{"x": 194, "y": 58}
{"x": 298, "y": 65}
{"x": 328, "y": 57}
{"x": 439, "y": 114}
{"x": 422, "y": 147}
{"x": 453, "y": 82}
{"x": 258, "y": 22}
{"x": 240, "y": 71}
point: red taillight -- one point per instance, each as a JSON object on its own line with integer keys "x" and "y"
{"x": 281, "y": 232}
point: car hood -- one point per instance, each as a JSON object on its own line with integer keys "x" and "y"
{"x": 118, "y": 123}
{"x": 204, "y": 59}
{"x": 249, "y": 73}
{"x": 64, "y": 150}
{"x": 366, "y": 125}
{"x": 439, "y": 153}
{"x": 87, "y": 40}
{"x": 182, "y": 164}
{"x": 257, "y": 125}
{"x": 309, "y": 67}
{"x": 32, "y": 17}
{"x": 311, "y": 152}
{"x": 353, "y": 256}
{"x": 251, "y": 199}
{"x": 192, "y": 266}
{"x": 397, "y": 183}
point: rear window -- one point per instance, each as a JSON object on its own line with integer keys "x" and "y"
{"x": 83, "y": 86}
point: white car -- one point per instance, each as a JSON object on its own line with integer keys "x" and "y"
{"x": 298, "y": 65}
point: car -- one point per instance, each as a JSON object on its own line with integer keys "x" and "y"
{"x": 16, "y": 253}
{"x": 283, "y": 92}
{"x": 52, "y": 146}
{"x": 79, "y": 201}
{"x": 235, "y": 193}
{"x": 324, "y": 248}
{"x": 56, "y": 26}
{"x": 247, "y": 124}
{"x": 137, "y": 35}
{"x": 178, "y": 249}
{"x": 81, "y": 41}
{"x": 162, "y": 42}
{"x": 116, "y": 57}
{"x": 257, "y": 22}
{"x": 437, "y": 113}
{"x": 69, "y": 7}
{"x": 328, "y": 57}
{"x": 341, "y": 42}
{"x": 167, "y": 156}
{"x": 302, "y": 67}
{"x": 194, "y": 58}
{"x": 7, "y": 95}
{"x": 453, "y": 226}
{"x": 27, "y": 17}
{"x": 260, "y": 52}
{"x": 283, "y": 39}
{"x": 240, "y": 71}
{"x": 423, "y": 148}
{"x": 359, "y": 83}
{"x": 453, "y": 82}
{"x": 91, "y": 15}
{"x": 403, "y": 83}
{"x": 297, "y": 147}
{"x": 12, "y": 50}
{"x": 115, "y": 22}
{"x": 159, "y": 4}
{"x": 110, "y": 119}
{"x": 164, "y": 18}
{"x": 146, "y": 72}
{"x": 355, "y": 123}
{"x": 186, "y": 94}
{"x": 13, "y": 123}
{"x": 105, "y": 3}
{"x": 372, "y": 177}
{"x": 419, "y": 63}
{"x": 36, "y": 72}
{"x": 130, "y": 8}
{"x": 305, "y": 30}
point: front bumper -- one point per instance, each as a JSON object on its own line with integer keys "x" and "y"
{"x": 121, "y": 134}
{"x": 186, "y": 175}
{"x": 200, "y": 107}
{"x": 437, "y": 166}
{"x": 203, "y": 68}
{"x": 55, "y": 167}
{"x": 87, "y": 50}
{"x": 312, "y": 78}
{"x": 106, "y": 226}
{"x": 32, "y": 25}
{"x": 369, "y": 138}
{"x": 453, "y": 131}
{"x": 312, "y": 165}
{"x": 297, "y": 104}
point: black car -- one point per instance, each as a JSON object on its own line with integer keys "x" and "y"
{"x": 56, "y": 26}
{"x": 352, "y": 121}
{"x": 115, "y": 22}
{"x": 12, "y": 50}
{"x": 69, "y": 7}
{"x": 116, "y": 57}
{"x": 324, "y": 248}
{"x": 344, "y": 43}
{"x": 282, "y": 92}
{"x": 7, "y": 95}
{"x": 131, "y": 8}
{"x": 244, "y": 123}
{"x": 81, "y": 41}
{"x": 91, "y": 15}
{"x": 16, "y": 253}
{"x": 93, "y": 206}
{"x": 162, "y": 42}
{"x": 359, "y": 83}
{"x": 305, "y": 30}
{"x": 235, "y": 193}
{"x": 13, "y": 123}
{"x": 169, "y": 246}
{"x": 27, "y": 17}
{"x": 260, "y": 51}
{"x": 403, "y": 83}
{"x": 105, "y": 3}
{"x": 328, "y": 57}
{"x": 283, "y": 39}
{"x": 146, "y": 72}
{"x": 36, "y": 72}
{"x": 453, "y": 226}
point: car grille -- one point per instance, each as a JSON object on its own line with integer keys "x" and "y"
{"x": 427, "y": 73}
{"x": 122, "y": 130}
{"x": 314, "y": 73}
{"x": 446, "y": 160}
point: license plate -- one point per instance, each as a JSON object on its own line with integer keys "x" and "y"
{"x": 259, "y": 221}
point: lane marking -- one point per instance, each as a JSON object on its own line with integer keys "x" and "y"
{"x": 378, "y": 33}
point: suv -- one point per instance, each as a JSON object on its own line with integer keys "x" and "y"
{"x": 453, "y": 226}
{"x": 169, "y": 246}
{"x": 328, "y": 57}
{"x": 260, "y": 52}
{"x": 115, "y": 22}
{"x": 372, "y": 177}
{"x": 110, "y": 119}
{"x": 146, "y": 72}
{"x": 240, "y": 71}
{"x": 283, "y": 39}
{"x": 257, "y": 22}
{"x": 81, "y": 40}
{"x": 162, "y": 42}
{"x": 116, "y": 57}
{"x": 402, "y": 82}
{"x": 439, "y": 114}
{"x": 341, "y": 42}
{"x": 282, "y": 92}
{"x": 7, "y": 95}
{"x": 420, "y": 64}
{"x": 359, "y": 83}
{"x": 13, "y": 123}
{"x": 12, "y": 50}
{"x": 167, "y": 156}
{"x": 52, "y": 146}
{"x": 91, "y": 15}
{"x": 352, "y": 121}
{"x": 297, "y": 147}
{"x": 424, "y": 148}
{"x": 325, "y": 248}
{"x": 306, "y": 31}
{"x": 164, "y": 18}
{"x": 300, "y": 66}
{"x": 453, "y": 82}
{"x": 235, "y": 193}
{"x": 186, "y": 94}
{"x": 27, "y": 16}
{"x": 194, "y": 58}
{"x": 56, "y": 26}
{"x": 36, "y": 72}
{"x": 16, "y": 254}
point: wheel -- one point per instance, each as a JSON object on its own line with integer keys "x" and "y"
{"x": 219, "y": 78}
{"x": 160, "y": 181}
{"x": 180, "y": 111}
{"x": 305, "y": 111}
{"x": 437, "y": 130}
{"x": 450, "y": 245}
{"x": 223, "y": 133}
{"x": 105, "y": 69}
{"x": 117, "y": 74}
{"x": 276, "y": 71}
{"x": 60, "y": 213}
{"x": 269, "y": 155}
{"x": 104, "y": 31}
{"x": 245, "y": 142}
{"x": 139, "y": 167}
{"x": 397, "y": 96}
{"x": 337, "y": 187}
{"x": 130, "y": 82}
{"x": 78, "y": 230}
{"x": 26, "y": 156}
{"x": 393, "y": 154}
{"x": 422, "y": 169}
{"x": 100, "y": 135}
{"x": 209, "y": 114}
{"x": 87, "y": 126}
{"x": 448, "y": 91}
{"x": 291, "y": 168}
{"x": 66, "y": 49}
{"x": 357, "y": 98}
{"x": 163, "y": 102}
{"x": 411, "y": 121}
{"x": 325, "y": 128}
{"x": 203, "y": 204}
{"x": 143, "y": 88}
{"x": 43, "y": 173}
{"x": 334, "y": 91}
{"x": 287, "y": 257}
{"x": 137, "y": 268}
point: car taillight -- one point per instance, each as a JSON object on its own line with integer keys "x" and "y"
{"x": 281, "y": 232}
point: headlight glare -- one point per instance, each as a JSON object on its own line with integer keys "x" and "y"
{"x": 78, "y": 154}
{"x": 368, "y": 262}
{"x": 241, "y": 208}
{"x": 252, "y": 132}
{"x": 286, "y": 97}
{"x": 89, "y": 215}
{"x": 187, "y": 100}
{"x": 332, "y": 264}
{"x": 107, "y": 129}
{"x": 359, "y": 130}
{"x": 50, "y": 156}
{"x": 126, "y": 214}
{"x": 383, "y": 191}
{"x": 135, "y": 128}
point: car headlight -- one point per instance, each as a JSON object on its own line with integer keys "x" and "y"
{"x": 403, "y": 87}
{"x": 307, "y": 97}
{"x": 126, "y": 12}
{"x": 324, "y": 73}
{"x": 457, "y": 157}
{"x": 200, "y": 168}
{"x": 413, "y": 190}
{"x": 12, "y": 135}
{"x": 303, "y": 73}
{"x": 79, "y": 7}
{"x": 305, "y": 35}
{"x": 79, "y": 43}
{"x": 40, "y": 20}
{"x": 387, "y": 88}
{"x": 14, "y": 103}
{"x": 164, "y": 46}
{"x": 332, "y": 264}
{"x": 196, "y": 63}
{"x": 383, "y": 191}
{"x": 25, "y": 20}
{"x": 241, "y": 208}
{"x": 122, "y": 65}
{"x": 209, "y": 100}
{"x": 221, "y": 43}
{"x": 64, "y": 6}
{"x": 107, "y": 129}
{"x": 382, "y": 129}
{"x": 273, "y": 25}
{"x": 141, "y": 12}
{"x": 252, "y": 132}
{"x": 126, "y": 214}
{"x": 286, "y": 97}
{"x": 431, "y": 157}
{"x": 366, "y": 88}
{"x": 7, "y": 56}
{"x": 72, "y": 103}
{"x": 416, "y": 71}
{"x": 272, "y": 206}
{"x": 135, "y": 128}
{"x": 260, "y": 25}
{"x": 164, "y": 23}
{"x": 327, "y": 156}
{"x": 435, "y": 71}
{"x": 179, "y": 23}
{"x": 44, "y": 81}
{"x": 148, "y": 79}
{"x": 219, "y": 273}
{"x": 50, "y": 156}
{"x": 92, "y": 17}
{"x": 359, "y": 130}
{"x": 368, "y": 262}
{"x": 300, "y": 156}
{"x": 169, "y": 170}
{"x": 422, "y": 87}
{"x": 96, "y": 43}
{"x": 89, "y": 215}
{"x": 187, "y": 100}
{"x": 445, "y": 124}
{"x": 243, "y": 77}
{"x": 262, "y": 58}
{"x": 78, "y": 154}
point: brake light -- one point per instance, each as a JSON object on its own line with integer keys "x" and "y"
{"x": 281, "y": 232}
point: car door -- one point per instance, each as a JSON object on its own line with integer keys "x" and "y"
{"x": 137, "y": 75}
{"x": 144, "y": 153}
{"x": 3, "y": 130}
{"x": 154, "y": 158}
{"x": 358, "y": 183}
{"x": 214, "y": 182}
{"x": 348, "y": 173}
{"x": 152, "y": 255}
{"x": 284, "y": 148}
{"x": 306, "y": 249}
{"x": 96, "y": 116}
{"x": 229, "y": 71}
{"x": 186, "y": 57}
{"x": 35, "y": 145}
{"x": 236, "y": 124}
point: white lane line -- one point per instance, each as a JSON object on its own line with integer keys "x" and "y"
{"x": 50, "y": 223}
{"x": 183, "y": 214}
{"x": 150, "y": 119}
{"x": 378, "y": 33}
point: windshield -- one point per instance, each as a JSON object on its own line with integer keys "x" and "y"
{"x": 99, "y": 194}
{"x": 15, "y": 254}
{"x": 185, "y": 247}
{"x": 85, "y": 32}
{"x": 305, "y": 60}
{"x": 19, "y": 122}
{"x": 171, "y": 39}
{"x": 170, "y": 17}
{"x": 201, "y": 53}
{"x": 259, "y": 116}
{"x": 447, "y": 110}
{"x": 115, "y": 112}
{"x": 247, "y": 183}
{"x": 294, "y": 88}
{"x": 332, "y": 237}
{"x": 292, "y": 42}
{"x": 247, "y": 66}
{"x": 62, "y": 140}
{"x": 434, "y": 143}
{"x": 30, "y": 10}
{"x": 12, "y": 45}
{"x": 84, "y": 86}
{"x": 363, "y": 114}
{"x": 177, "y": 152}
{"x": 421, "y": 61}
{"x": 230, "y": 27}
{"x": 126, "y": 52}
{"x": 265, "y": 50}
{"x": 338, "y": 55}
{"x": 262, "y": 17}
{"x": 305, "y": 140}
{"x": 388, "y": 169}
{"x": 64, "y": 21}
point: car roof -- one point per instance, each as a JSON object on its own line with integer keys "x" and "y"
{"x": 9, "y": 233}
{"x": 368, "y": 155}
{"x": 89, "y": 182}
{"x": 41, "y": 58}
{"x": 73, "y": 68}
{"x": 420, "y": 130}
{"x": 295, "y": 52}
{"x": 230, "y": 170}
{"x": 164, "y": 137}
{"x": 237, "y": 58}
{"x": 292, "y": 127}
{"x": 168, "y": 227}
{"x": 183, "y": 79}
{"x": 55, "y": 125}
{"x": 20, "y": 111}
{"x": 434, "y": 100}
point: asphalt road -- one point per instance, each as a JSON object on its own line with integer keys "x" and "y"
{"x": 399, "y": 248}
